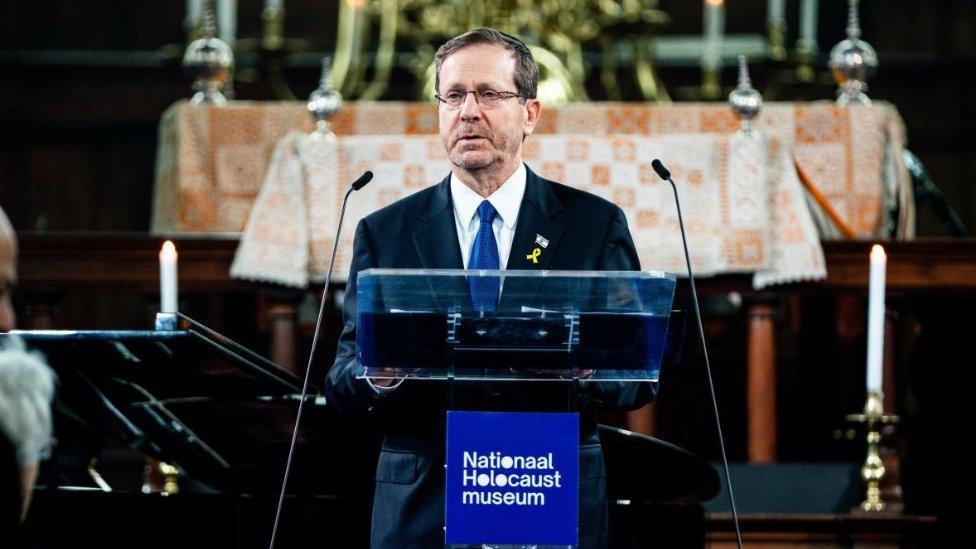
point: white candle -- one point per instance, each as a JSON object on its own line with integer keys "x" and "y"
{"x": 876, "y": 314}
{"x": 808, "y": 23}
{"x": 775, "y": 10}
{"x": 714, "y": 27}
{"x": 227, "y": 20}
{"x": 167, "y": 278}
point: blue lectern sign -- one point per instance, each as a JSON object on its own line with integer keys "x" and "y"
{"x": 512, "y": 478}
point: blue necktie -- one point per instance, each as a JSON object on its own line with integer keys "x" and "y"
{"x": 484, "y": 255}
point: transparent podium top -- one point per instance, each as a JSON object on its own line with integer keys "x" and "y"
{"x": 518, "y": 325}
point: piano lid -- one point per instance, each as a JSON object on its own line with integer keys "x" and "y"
{"x": 187, "y": 362}
{"x": 191, "y": 397}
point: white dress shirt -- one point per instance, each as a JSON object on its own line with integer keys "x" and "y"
{"x": 506, "y": 200}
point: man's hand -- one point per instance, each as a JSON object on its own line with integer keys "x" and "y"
{"x": 383, "y": 382}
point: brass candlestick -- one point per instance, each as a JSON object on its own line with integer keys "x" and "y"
{"x": 160, "y": 477}
{"x": 873, "y": 470}
{"x": 711, "y": 85}
{"x": 274, "y": 28}
{"x": 776, "y": 30}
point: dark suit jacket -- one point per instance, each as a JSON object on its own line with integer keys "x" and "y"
{"x": 585, "y": 232}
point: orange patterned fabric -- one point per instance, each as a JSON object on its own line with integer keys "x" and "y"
{"x": 744, "y": 207}
{"x": 211, "y": 161}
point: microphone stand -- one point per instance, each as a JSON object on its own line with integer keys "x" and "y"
{"x": 666, "y": 175}
{"x": 358, "y": 184}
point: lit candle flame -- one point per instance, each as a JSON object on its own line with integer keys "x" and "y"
{"x": 168, "y": 252}
{"x": 877, "y": 252}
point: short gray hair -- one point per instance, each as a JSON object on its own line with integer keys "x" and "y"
{"x": 526, "y": 69}
{"x": 26, "y": 392}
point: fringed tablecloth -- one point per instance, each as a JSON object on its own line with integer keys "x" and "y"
{"x": 211, "y": 161}
{"x": 743, "y": 205}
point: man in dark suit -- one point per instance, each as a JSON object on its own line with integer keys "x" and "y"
{"x": 488, "y": 213}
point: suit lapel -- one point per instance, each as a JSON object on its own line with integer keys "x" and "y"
{"x": 436, "y": 236}
{"x": 538, "y": 223}
{"x": 435, "y": 239}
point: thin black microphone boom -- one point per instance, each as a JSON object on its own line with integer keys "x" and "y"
{"x": 356, "y": 185}
{"x": 666, "y": 175}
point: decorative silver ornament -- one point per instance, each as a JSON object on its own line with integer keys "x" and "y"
{"x": 852, "y": 62}
{"x": 744, "y": 99}
{"x": 323, "y": 103}
{"x": 210, "y": 62}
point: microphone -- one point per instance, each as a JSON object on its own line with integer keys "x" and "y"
{"x": 356, "y": 185}
{"x": 362, "y": 181}
{"x": 666, "y": 175}
{"x": 662, "y": 172}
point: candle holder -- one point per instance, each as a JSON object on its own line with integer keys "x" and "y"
{"x": 167, "y": 322}
{"x": 806, "y": 55}
{"x": 210, "y": 62}
{"x": 274, "y": 25}
{"x": 873, "y": 470}
{"x": 324, "y": 103}
{"x": 852, "y": 62}
{"x": 159, "y": 477}
{"x": 776, "y": 34}
{"x": 744, "y": 100}
{"x": 270, "y": 51}
{"x": 711, "y": 86}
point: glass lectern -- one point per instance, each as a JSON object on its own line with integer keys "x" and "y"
{"x": 547, "y": 325}
{"x": 598, "y": 331}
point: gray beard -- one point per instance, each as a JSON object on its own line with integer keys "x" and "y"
{"x": 475, "y": 165}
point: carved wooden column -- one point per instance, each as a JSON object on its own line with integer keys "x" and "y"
{"x": 282, "y": 316}
{"x": 761, "y": 383}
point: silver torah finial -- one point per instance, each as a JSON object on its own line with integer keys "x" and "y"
{"x": 744, "y": 99}
{"x": 324, "y": 102}
{"x": 210, "y": 62}
{"x": 852, "y": 62}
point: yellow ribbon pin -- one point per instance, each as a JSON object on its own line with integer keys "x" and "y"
{"x": 534, "y": 256}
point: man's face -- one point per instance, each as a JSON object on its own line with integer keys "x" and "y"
{"x": 476, "y": 138}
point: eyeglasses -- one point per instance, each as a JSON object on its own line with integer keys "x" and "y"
{"x": 487, "y": 99}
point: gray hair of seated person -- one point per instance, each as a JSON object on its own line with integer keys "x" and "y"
{"x": 26, "y": 390}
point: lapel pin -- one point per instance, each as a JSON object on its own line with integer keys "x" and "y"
{"x": 541, "y": 240}
{"x": 534, "y": 256}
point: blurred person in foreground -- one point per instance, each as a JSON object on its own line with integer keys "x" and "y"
{"x": 26, "y": 391}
